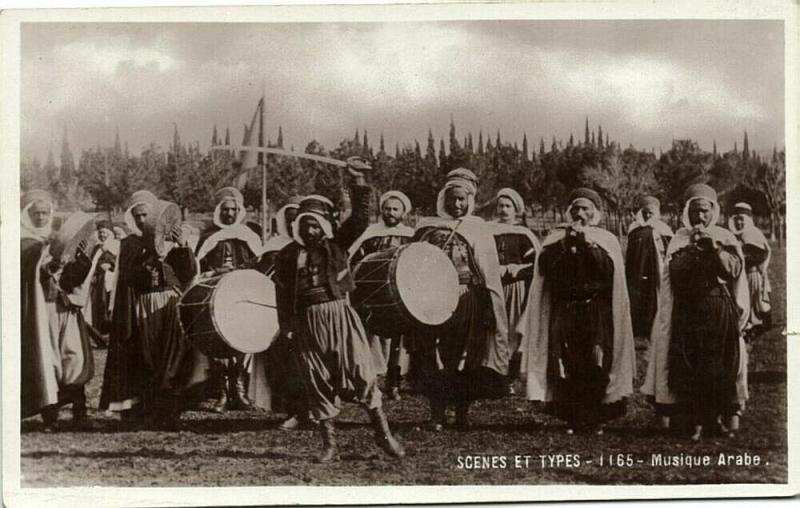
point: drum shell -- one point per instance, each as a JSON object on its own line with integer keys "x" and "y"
{"x": 197, "y": 319}
{"x": 377, "y": 300}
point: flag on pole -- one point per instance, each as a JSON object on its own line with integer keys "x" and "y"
{"x": 249, "y": 159}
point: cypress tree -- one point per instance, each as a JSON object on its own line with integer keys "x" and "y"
{"x": 745, "y": 148}
{"x": 525, "y": 146}
{"x": 586, "y": 132}
{"x": 67, "y": 161}
{"x": 454, "y": 148}
{"x": 117, "y": 145}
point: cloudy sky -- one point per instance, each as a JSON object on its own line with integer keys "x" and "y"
{"x": 646, "y": 82}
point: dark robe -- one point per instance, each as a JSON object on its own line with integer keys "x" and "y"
{"x": 580, "y": 280}
{"x": 448, "y": 360}
{"x": 517, "y": 249}
{"x": 377, "y": 244}
{"x": 141, "y": 272}
{"x": 100, "y": 297}
{"x": 642, "y": 275}
{"x": 231, "y": 253}
{"x": 704, "y": 350}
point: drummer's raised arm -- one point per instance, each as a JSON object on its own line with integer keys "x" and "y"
{"x": 358, "y": 221}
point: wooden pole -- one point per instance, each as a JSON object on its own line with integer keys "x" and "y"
{"x": 262, "y": 159}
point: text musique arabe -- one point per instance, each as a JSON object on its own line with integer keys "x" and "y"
{"x": 573, "y": 460}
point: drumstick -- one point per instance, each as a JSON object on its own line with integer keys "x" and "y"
{"x": 257, "y": 303}
{"x": 453, "y": 233}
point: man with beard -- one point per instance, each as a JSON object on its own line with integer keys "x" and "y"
{"x": 467, "y": 357}
{"x": 578, "y": 351}
{"x": 56, "y": 355}
{"x": 389, "y": 232}
{"x": 150, "y": 364}
{"x": 228, "y": 245}
{"x": 757, "y": 252}
{"x": 312, "y": 281}
{"x": 275, "y": 381}
{"x": 698, "y": 362}
{"x": 648, "y": 238}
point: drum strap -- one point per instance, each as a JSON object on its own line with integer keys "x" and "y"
{"x": 453, "y": 233}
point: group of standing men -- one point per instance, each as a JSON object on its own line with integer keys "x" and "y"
{"x": 562, "y": 314}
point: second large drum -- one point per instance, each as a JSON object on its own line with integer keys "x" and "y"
{"x": 230, "y": 313}
{"x": 405, "y": 288}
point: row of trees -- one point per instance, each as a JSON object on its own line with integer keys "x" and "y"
{"x": 105, "y": 177}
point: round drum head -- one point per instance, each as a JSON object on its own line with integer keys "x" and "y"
{"x": 166, "y": 217}
{"x": 78, "y": 227}
{"x": 427, "y": 282}
{"x": 245, "y": 310}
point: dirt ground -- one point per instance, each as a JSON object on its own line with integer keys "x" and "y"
{"x": 246, "y": 448}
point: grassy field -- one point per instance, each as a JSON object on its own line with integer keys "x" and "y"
{"x": 246, "y": 449}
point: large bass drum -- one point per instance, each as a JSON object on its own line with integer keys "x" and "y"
{"x": 405, "y": 288}
{"x": 231, "y": 313}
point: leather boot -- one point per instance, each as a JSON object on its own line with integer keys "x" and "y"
{"x": 330, "y": 451}
{"x": 50, "y": 418}
{"x": 238, "y": 391}
{"x": 79, "y": 411}
{"x": 462, "y": 416}
{"x": 393, "y": 380}
{"x": 383, "y": 436}
{"x": 220, "y": 394}
{"x": 437, "y": 415}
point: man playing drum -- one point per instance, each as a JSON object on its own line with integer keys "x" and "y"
{"x": 56, "y": 355}
{"x": 648, "y": 239}
{"x": 517, "y": 247}
{"x": 387, "y": 233}
{"x": 698, "y": 360}
{"x": 150, "y": 363}
{"x": 312, "y": 282}
{"x": 578, "y": 348}
{"x": 467, "y": 357}
{"x": 229, "y": 244}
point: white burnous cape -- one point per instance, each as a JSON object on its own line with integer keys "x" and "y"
{"x": 534, "y": 325}
{"x": 236, "y": 231}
